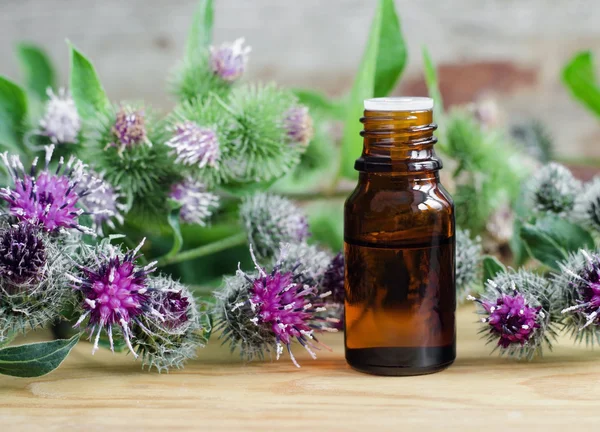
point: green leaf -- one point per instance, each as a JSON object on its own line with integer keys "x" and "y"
{"x": 86, "y": 89}
{"x": 13, "y": 112}
{"x": 571, "y": 237}
{"x": 200, "y": 36}
{"x": 316, "y": 101}
{"x": 36, "y": 359}
{"x": 578, "y": 75}
{"x": 541, "y": 246}
{"x": 433, "y": 86}
{"x": 491, "y": 267}
{"x": 392, "y": 53}
{"x": 375, "y": 66}
{"x": 37, "y": 69}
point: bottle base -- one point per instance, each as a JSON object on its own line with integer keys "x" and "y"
{"x": 401, "y": 361}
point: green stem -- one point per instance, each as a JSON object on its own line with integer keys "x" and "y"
{"x": 204, "y": 250}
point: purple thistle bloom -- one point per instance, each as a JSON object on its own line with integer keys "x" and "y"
{"x": 299, "y": 125}
{"x": 289, "y": 308}
{"x": 129, "y": 129}
{"x": 47, "y": 199}
{"x": 174, "y": 309}
{"x": 101, "y": 200}
{"x": 511, "y": 318}
{"x": 585, "y": 288}
{"x": 196, "y": 202}
{"x": 194, "y": 145}
{"x": 114, "y": 292}
{"x": 61, "y": 122}
{"x": 229, "y": 60}
{"x": 333, "y": 281}
{"x": 22, "y": 254}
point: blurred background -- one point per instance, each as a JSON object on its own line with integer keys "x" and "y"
{"x": 509, "y": 51}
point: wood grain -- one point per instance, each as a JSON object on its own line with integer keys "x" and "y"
{"x": 217, "y": 392}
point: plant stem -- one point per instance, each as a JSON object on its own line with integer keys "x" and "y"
{"x": 207, "y": 249}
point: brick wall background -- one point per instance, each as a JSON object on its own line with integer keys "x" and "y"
{"x": 512, "y": 50}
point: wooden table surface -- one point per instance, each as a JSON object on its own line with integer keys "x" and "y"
{"x": 218, "y": 392}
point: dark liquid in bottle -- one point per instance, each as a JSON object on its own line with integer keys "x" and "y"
{"x": 400, "y": 303}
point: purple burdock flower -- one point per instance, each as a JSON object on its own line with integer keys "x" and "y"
{"x": 229, "y": 60}
{"x": 196, "y": 203}
{"x": 194, "y": 145}
{"x": 101, "y": 200}
{"x": 299, "y": 125}
{"x": 173, "y": 307}
{"x": 114, "y": 292}
{"x": 22, "y": 254}
{"x": 583, "y": 289}
{"x": 272, "y": 310}
{"x": 129, "y": 129}
{"x": 60, "y": 123}
{"x": 511, "y": 318}
{"x": 47, "y": 199}
{"x": 333, "y": 282}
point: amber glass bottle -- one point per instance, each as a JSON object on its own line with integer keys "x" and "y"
{"x": 399, "y": 246}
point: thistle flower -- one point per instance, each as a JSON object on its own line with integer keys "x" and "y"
{"x": 139, "y": 173}
{"x": 587, "y": 205}
{"x": 333, "y": 281}
{"x": 169, "y": 337}
{"x": 129, "y": 129}
{"x": 45, "y": 198}
{"x": 578, "y": 283}
{"x": 533, "y": 138}
{"x": 468, "y": 262}
{"x": 319, "y": 269}
{"x": 229, "y": 60}
{"x": 271, "y": 220}
{"x": 299, "y": 125}
{"x": 196, "y": 203}
{"x": 22, "y": 254}
{"x": 194, "y": 145}
{"x": 60, "y": 123}
{"x": 113, "y": 291}
{"x": 520, "y": 313}
{"x": 262, "y": 150}
{"x": 32, "y": 277}
{"x": 553, "y": 189}
{"x": 102, "y": 200}
{"x": 263, "y": 312}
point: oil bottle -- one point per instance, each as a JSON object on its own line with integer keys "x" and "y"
{"x": 399, "y": 246}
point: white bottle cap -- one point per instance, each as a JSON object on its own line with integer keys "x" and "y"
{"x": 399, "y": 104}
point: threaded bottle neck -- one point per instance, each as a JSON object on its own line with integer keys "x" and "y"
{"x": 398, "y": 142}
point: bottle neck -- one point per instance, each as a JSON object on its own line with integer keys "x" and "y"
{"x": 398, "y": 142}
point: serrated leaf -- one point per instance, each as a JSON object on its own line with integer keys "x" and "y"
{"x": 37, "y": 69}
{"x": 491, "y": 267}
{"x": 36, "y": 359}
{"x": 13, "y": 112}
{"x": 383, "y": 36}
{"x": 86, "y": 89}
{"x": 200, "y": 36}
{"x": 579, "y": 77}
